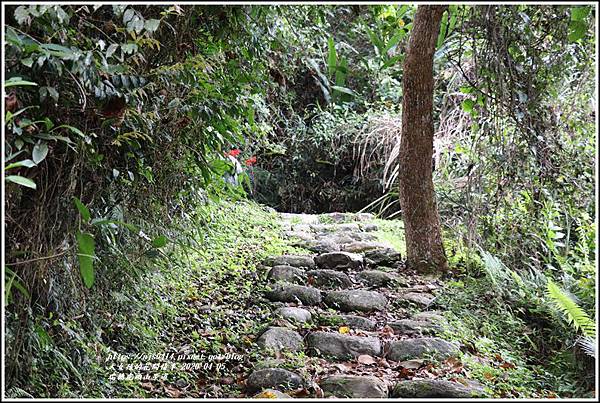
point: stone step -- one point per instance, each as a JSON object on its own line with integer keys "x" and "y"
{"x": 288, "y": 274}
{"x": 285, "y": 292}
{"x": 435, "y": 388}
{"x": 409, "y": 349}
{"x": 356, "y": 300}
{"x": 339, "y": 261}
{"x": 277, "y": 339}
{"x": 378, "y": 278}
{"x": 274, "y": 378}
{"x": 353, "y": 386}
{"x": 326, "y": 278}
{"x": 291, "y": 260}
{"x": 352, "y": 321}
{"x": 422, "y": 299}
{"x": 294, "y": 314}
{"x": 341, "y": 346}
{"x": 414, "y": 327}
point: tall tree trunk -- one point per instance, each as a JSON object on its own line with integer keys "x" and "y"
{"x": 417, "y": 197}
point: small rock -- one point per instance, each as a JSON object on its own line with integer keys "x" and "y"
{"x": 272, "y": 394}
{"x": 287, "y": 273}
{"x": 419, "y": 298}
{"x": 328, "y": 278}
{"x": 417, "y": 348}
{"x": 339, "y": 260}
{"x": 285, "y": 292}
{"x": 291, "y": 260}
{"x": 280, "y": 339}
{"x": 273, "y": 378}
{"x": 369, "y": 227}
{"x": 412, "y": 327}
{"x": 356, "y": 300}
{"x": 432, "y": 388}
{"x": 359, "y": 322}
{"x": 353, "y": 386}
{"x": 352, "y": 321}
{"x": 339, "y": 239}
{"x": 362, "y": 246}
{"x": 294, "y": 314}
{"x": 377, "y": 278}
{"x": 342, "y": 346}
{"x": 320, "y": 245}
{"x": 382, "y": 256}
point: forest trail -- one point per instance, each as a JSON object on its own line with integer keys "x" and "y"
{"x": 351, "y": 302}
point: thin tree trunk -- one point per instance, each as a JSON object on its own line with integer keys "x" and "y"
{"x": 417, "y": 196}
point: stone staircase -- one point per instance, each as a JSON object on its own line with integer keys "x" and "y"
{"x": 352, "y": 304}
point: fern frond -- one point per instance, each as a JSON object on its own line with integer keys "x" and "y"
{"x": 588, "y": 345}
{"x": 573, "y": 312}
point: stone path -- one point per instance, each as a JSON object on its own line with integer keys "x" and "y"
{"x": 353, "y": 305}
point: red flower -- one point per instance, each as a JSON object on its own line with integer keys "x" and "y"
{"x": 251, "y": 161}
{"x": 233, "y": 153}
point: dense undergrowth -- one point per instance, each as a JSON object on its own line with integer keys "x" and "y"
{"x": 198, "y": 297}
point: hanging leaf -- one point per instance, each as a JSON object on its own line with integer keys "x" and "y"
{"x": 86, "y": 256}
{"x": 20, "y": 180}
{"x": 331, "y": 56}
{"x": 40, "y": 151}
{"x": 83, "y": 210}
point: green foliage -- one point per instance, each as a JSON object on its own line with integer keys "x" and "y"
{"x": 574, "y": 314}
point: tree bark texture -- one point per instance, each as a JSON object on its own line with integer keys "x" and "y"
{"x": 425, "y": 250}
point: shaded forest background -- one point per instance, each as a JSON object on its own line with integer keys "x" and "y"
{"x": 120, "y": 119}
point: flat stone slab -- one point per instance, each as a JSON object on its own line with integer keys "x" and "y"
{"x": 408, "y": 349}
{"x": 352, "y": 321}
{"x": 294, "y": 314}
{"x": 353, "y": 386}
{"x": 414, "y": 327}
{"x": 285, "y": 292}
{"x": 328, "y": 228}
{"x": 356, "y": 300}
{"x": 323, "y": 245}
{"x": 289, "y": 274}
{"x": 291, "y": 260}
{"x": 421, "y": 388}
{"x": 359, "y": 322}
{"x": 382, "y": 256}
{"x": 328, "y": 278}
{"x": 362, "y": 246}
{"x": 420, "y": 298}
{"x": 273, "y": 378}
{"x": 342, "y": 346}
{"x": 369, "y": 227}
{"x": 339, "y": 261}
{"x": 280, "y": 339}
{"x": 377, "y": 278}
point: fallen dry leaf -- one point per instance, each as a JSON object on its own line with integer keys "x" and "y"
{"x": 507, "y": 365}
{"x": 411, "y": 364}
{"x": 344, "y": 329}
{"x": 366, "y": 359}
